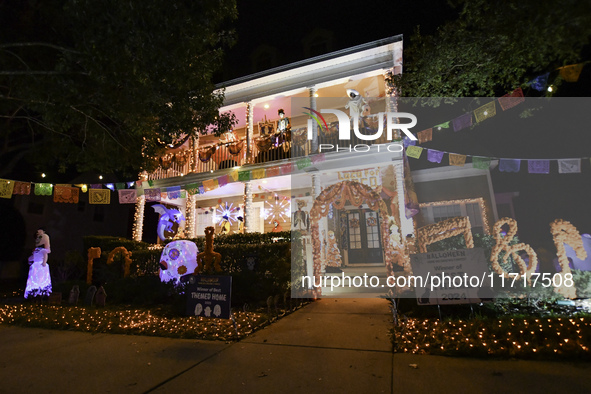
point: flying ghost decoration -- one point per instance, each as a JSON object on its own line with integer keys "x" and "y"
{"x": 171, "y": 220}
{"x": 178, "y": 258}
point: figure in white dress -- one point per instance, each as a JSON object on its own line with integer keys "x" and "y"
{"x": 39, "y": 279}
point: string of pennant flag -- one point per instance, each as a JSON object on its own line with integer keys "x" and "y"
{"x": 128, "y": 192}
{"x": 569, "y": 73}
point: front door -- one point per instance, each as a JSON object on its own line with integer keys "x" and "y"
{"x": 364, "y": 237}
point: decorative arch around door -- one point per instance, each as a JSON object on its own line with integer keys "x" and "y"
{"x": 357, "y": 194}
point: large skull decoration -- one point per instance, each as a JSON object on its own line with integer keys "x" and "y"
{"x": 178, "y": 258}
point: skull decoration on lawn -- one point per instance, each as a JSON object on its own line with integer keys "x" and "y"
{"x": 178, "y": 258}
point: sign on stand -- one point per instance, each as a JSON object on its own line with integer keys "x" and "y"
{"x": 451, "y": 277}
{"x": 209, "y": 296}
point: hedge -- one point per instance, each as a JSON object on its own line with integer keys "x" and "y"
{"x": 270, "y": 275}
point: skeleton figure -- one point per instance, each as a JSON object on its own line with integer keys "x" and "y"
{"x": 301, "y": 219}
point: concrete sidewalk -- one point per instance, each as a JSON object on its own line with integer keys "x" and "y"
{"x": 329, "y": 346}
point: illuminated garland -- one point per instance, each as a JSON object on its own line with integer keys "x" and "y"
{"x": 126, "y": 256}
{"x": 479, "y": 201}
{"x": 93, "y": 253}
{"x": 502, "y": 245}
{"x": 564, "y": 232}
{"x": 445, "y": 229}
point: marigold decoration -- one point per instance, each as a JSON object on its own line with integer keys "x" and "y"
{"x": 564, "y": 232}
{"x": 357, "y": 194}
{"x": 93, "y": 253}
{"x": 445, "y": 229}
{"x": 502, "y": 245}
{"x": 126, "y": 255}
{"x": 207, "y": 258}
{"x": 182, "y": 270}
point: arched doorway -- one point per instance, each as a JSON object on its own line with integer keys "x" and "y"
{"x": 356, "y": 194}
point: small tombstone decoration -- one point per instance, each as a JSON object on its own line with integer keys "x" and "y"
{"x": 251, "y": 262}
{"x": 74, "y": 295}
{"x": 100, "y": 297}
{"x": 89, "y": 299}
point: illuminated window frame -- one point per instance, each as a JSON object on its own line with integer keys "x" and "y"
{"x": 463, "y": 202}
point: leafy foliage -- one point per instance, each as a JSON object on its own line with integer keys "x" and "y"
{"x": 494, "y": 47}
{"x": 108, "y": 85}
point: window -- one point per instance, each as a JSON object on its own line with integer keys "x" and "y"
{"x": 203, "y": 220}
{"x": 354, "y": 231}
{"x": 373, "y": 232}
{"x": 435, "y": 212}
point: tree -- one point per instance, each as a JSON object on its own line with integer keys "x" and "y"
{"x": 107, "y": 85}
{"x": 494, "y": 47}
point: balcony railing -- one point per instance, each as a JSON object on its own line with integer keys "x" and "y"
{"x": 211, "y": 158}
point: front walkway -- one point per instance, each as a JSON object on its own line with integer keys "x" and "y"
{"x": 329, "y": 346}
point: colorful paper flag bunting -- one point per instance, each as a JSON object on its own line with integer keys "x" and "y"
{"x": 66, "y": 194}
{"x": 303, "y": 163}
{"x": 244, "y": 175}
{"x": 482, "y": 163}
{"x": 571, "y": 72}
{"x": 509, "y": 165}
{"x": 538, "y": 166}
{"x": 486, "y": 111}
{"x": 273, "y": 171}
{"x": 457, "y": 160}
{"x": 153, "y": 195}
{"x": 569, "y": 166}
{"x": 223, "y": 180}
{"x": 23, "y": 188}
{"x": 414, "y": 151}
{"x": 127, "y": 196}
{"x": 43, "y": 189}
{"x": 462, "y": 121}
{"x": 425, "y": 135}
{"x": 258, "y": 173}
{"x": 6, "y": 188}
{"x": 210, "y": 184}
{"x": 510, "y": 100}
{"x": 434, "y": 156}
{"x": 101, "y": 196}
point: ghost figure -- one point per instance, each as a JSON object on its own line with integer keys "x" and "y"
{"x": 357, "y": 104}
{"x": 207, "y": 311}
{"x": 217, "y": 310}
{"x": 171, "y": 220}
{"x": 39, "y": 279}
{"x": 198, "y": 309}
{"x": 178, "y": 258}
{"x": 333, "y": 254}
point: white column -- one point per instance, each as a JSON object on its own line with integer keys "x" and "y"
{"x": 249, "y": 132}
{"x": 138, "y": 224}
{"x": 316, "y": 187}
{"x": 191, "y": 216}
{"x": 248, "y": 219}
{"x": 314, "y": 142}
